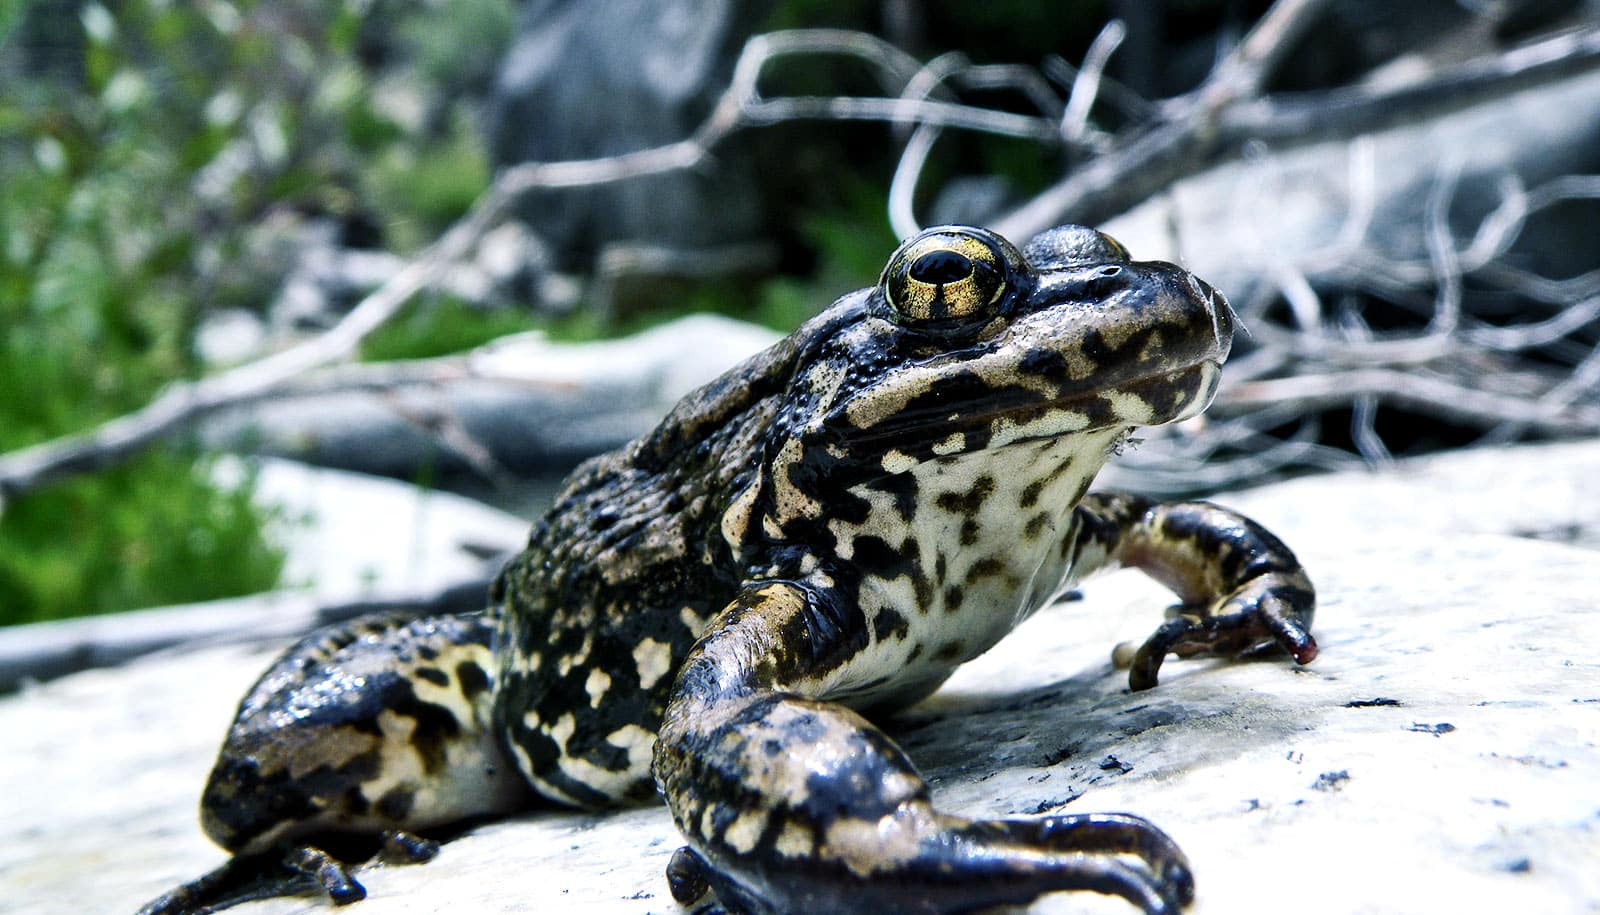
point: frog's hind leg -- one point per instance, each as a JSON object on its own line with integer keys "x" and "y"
{"x": 355, "y": 737}
{"x": 792, "y": 804}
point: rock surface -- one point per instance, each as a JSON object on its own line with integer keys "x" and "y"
{"x": 1443, "y": 753}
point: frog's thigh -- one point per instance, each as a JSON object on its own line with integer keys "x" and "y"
{"x": 374, "y": 725}
{"x": 795, "y": 804}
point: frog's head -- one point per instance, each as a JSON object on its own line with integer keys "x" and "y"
{"x": 968, "y": 345}
{"x": 980, "y": 345}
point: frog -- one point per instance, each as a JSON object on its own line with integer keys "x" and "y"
{"x": 723, "y": 613}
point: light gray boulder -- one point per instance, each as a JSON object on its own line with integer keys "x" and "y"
{"x": 1439, "y": 756}
{"x": 528, "y": 404}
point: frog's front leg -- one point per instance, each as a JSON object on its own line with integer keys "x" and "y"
{"x": 793, "y": 804}
{"x": 1241, "y": 589}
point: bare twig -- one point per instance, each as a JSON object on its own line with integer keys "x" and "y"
{"x": 1352, "y": 111}
{"x": 1151, "y": 160}
{"x": 1438, "y": 396}
{"x": 1342, "y": 363}
{"x": 1086, "y": 83}
{"x": 953, "y": 67}
{"x": 740, "y": 106}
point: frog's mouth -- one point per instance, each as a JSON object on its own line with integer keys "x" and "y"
{"x": 1019, "y": 414}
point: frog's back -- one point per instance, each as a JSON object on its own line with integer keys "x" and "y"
{"x": 618, "y": 580}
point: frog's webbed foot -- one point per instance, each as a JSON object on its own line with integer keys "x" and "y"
{"x": 298, "y": 871}
{"x": 240, "y": 879}
{"x": 1243, "y": 591}
{"x": 791, "y": 804}
{"x": 960, "y": 865}
{"x": 1266, "y": 615}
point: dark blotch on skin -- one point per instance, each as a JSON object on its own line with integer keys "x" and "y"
{"x": 953, "y": 596}
{"x": 890, "y": 622}
{"x": 436, "y": 726}
{"x": 1030, "y": 493}
{"x": 988, "y": 567}
{"x": 434, "y": 675}
{"x": 472, "y": 678}
{"x": 967, "y": 503}
{"x": 875, "y": 555}
{"x": 969, "y": 532}
{"x": 356, "y": 802}
{"x": 902, "y": 487}
{"x": 1036, "y": 526}
{"x": 395, "y": 804}
{"x": 950, "y": 651}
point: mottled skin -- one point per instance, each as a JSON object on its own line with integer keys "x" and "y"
{"x": 819, "y": 537}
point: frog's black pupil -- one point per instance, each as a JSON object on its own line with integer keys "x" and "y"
{"x": 941, "y": 267}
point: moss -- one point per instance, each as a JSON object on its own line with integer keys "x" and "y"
{"x": 440, "y": 325}
{"x": 158, "y": 531}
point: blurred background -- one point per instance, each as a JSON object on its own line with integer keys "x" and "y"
{"x": 457, "y": 247}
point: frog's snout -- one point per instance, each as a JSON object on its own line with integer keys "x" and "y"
{"x": 1223, "y": 318}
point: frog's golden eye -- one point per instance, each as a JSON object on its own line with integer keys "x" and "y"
{"x": 951, "y": 274}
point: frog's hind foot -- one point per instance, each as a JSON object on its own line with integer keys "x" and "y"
{"x": 303, "y": 870}
{"x": 1116, "y": 854}
{"x": 242, "y": 878}
{"x": 951, "y": 865}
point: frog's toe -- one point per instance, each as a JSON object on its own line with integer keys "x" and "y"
{"x": 329, "y": 872}
{"x": 686, "y": 876}
{"x": 1268, "y": 613}
{"x": 1152, "y": 870}
{"x": 400, "y": 847}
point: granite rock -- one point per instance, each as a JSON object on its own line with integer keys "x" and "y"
{"x": 542, "y": 404}
{"x": 1440, "y": 755}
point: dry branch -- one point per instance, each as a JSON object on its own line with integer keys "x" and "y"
{"x": 740, "y": 106}
{"x": 1342, "y": 362}
{"x": 1155, "y": 157}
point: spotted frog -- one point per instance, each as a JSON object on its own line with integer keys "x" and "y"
{"x": 716, "y": 612}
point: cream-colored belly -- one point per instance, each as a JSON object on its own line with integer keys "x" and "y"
{"x": 993, "y": 545}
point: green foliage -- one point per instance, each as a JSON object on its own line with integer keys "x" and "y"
{"x": 158, "y": 531}
{"x": 438, "y": 326}
{"x": 143, "y": 145}
{"x": 431, "y": 187}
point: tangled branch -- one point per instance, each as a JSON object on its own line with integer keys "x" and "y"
{"x": 1462, "y": 360}
{"x": 741, "y": 106}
